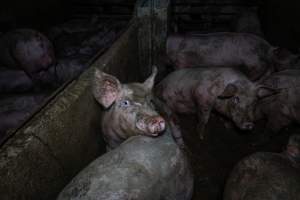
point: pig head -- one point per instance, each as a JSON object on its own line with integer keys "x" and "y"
{"x": 34, "y": 53}
{"x": 27, "y": 50}
{"x": 128, "y": 108}
{"x": 285, "y": 59}
{"x": 238, "y": 102}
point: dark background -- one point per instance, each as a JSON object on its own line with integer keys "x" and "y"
{"x": 279, "y": 18}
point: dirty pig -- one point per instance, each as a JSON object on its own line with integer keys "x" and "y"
{"x": 202, "y": 90}
{"x": 128, "y": 108}
{"x": 267, "y": 175}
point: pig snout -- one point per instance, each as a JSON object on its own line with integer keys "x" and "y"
{"x": 247, "y": 126}
{"x": 152, "y": 126}
{"x": 156, "y": 125}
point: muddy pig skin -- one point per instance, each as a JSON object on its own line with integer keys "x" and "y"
{"x": 202, "y": 90}
{"x": 247, "y": 52}
{"x": 141, "y": 168}
{"x": 267, "y": 176}
{"x": 129, "y": 110}
{"x": 283, "y": 107}
{"x": 28, "y": 50}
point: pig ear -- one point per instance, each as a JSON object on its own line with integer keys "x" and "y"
{"x": 148, "y": 84}
{"x": 106, "y": 88}
{"x": 281, "y": 53}
{"x": 230, "y": 90}
{"x": 264, "y": 91}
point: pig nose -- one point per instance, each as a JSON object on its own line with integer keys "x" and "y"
{"x": 248, "y": 126}
{"x": 156, "y": 125}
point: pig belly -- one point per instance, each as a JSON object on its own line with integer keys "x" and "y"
{"x": 182, "y": 106}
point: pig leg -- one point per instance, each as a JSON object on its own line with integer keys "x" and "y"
{"x": 173, "y": 120}
{"x": 203, "y": 117}
{"x": 176, "y": 132}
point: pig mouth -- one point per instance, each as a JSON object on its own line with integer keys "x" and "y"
{"x": 152, "y": 126}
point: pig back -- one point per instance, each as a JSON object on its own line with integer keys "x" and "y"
{"x": 264, "y": 176}
{"x": 141, "y": 168}
{"x": 176, "y": 90}
{"x": 246, "y": 52}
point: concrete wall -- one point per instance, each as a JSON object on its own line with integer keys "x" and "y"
{"x": 64, "y": 136}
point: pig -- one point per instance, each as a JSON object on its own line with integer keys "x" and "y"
{"x": 14, "y": 81}
{"x": 64, "y": 70}
{"x": 129, "y": 108}
{"x": 266, "y": 175}
{"x": 246, "y": 52}
{"x": 141, "y": 168}
{"x": 27, "y": 50}
{"x": 247, "y": 21}
{"x": 202, "y": 90}
{"x": 285, "y": 59}
{"x": 282, "y": 107}
{"x": 16, "y": 108}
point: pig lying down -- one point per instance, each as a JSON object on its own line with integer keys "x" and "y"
{"x": 265, "y": 176}
{"x": 17, "y": 108}
{"x": 14, "y": 81}
{"x": 27, "y": 50}
{"x": 64, "y": 70}
{"x": 202, "y": 90}
{"x": 129, "y": 109}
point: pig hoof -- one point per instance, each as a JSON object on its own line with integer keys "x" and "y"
{"x": 201, "y": 135}
{"x": 201, "y": 132}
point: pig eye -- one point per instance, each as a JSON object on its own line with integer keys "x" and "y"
{"x": 236, "y": 100}
{"x": 125, "y": 103}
